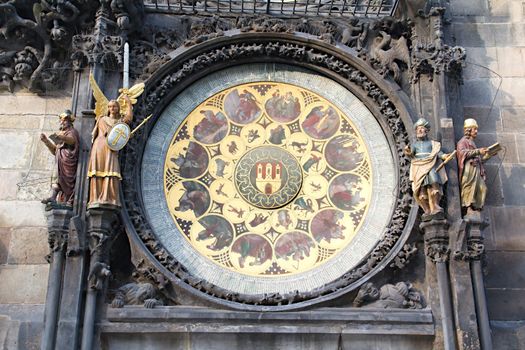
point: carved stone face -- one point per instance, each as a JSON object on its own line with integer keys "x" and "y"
{"x": 64, "y": 123}
{"x": 113, "y": 109}
{"x": 474, "y": 132}
{"x": 421, "y": 132}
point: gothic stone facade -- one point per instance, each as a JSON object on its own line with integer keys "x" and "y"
{"x": 463, "y": 59}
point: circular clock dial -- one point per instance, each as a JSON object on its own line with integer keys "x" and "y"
{"x": 268, "y": 180}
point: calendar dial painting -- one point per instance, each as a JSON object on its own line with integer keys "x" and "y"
{"x": 267, "y": 179}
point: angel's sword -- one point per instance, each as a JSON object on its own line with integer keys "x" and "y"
{"x": 125, "y": 78}
{"x": 141, "y": 123}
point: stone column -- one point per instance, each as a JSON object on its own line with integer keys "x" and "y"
{"x": 58, "y": 229}
{"x": 101, "y": 233}
{"x": 473, "y": 254}
{"x": 437, "y": 250}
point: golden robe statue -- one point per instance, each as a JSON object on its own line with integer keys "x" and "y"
{"x": 104, "y": 169}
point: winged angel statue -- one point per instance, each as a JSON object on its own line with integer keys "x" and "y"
{"x": 110, "y": 134}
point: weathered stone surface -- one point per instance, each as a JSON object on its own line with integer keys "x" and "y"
{"x": 508, "y": 335}
{"x": 511, "y": 92}
{"x": 42, "y": 159}
{"x": 510, "y": 62}
{"x": 28, "y": 246}
{"x": 16, "y": 149}
{"x": 480, "y": 62}
{"x": 508, "y": 141}
{"x": 204, "y": 328}
{"x": 514, "y": 263}
{"x": 17, "y": 104}
{"x": 494, "y": 190}
{"x": 34, "y": 185}
{"x": 23, "y": 284}
{"x": 20, "y": 326}
{"x": 5, "y": 238}
{"x": 505, "y": 304}
{"x": 504, "y": 34}
{"x": 21, "y": 213}
{"x": 507, "y": 225}
{"x": 520, "y": 144}
{"x": 218, "y": 341}
{"x": 20, "y": 122}
{"x": 478, "y": 92}
{"x": 512, "y": 119}
{"x": 512, "y": 179}
{"x": 473, "y": 34}
{"x": 499, "y": 7}
{"x": 51, "y": 123}
{"x": 469, "y": 7}
{"x": 8, "y": 185}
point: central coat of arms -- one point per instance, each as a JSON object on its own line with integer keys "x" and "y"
{"x": 268, "y": 177}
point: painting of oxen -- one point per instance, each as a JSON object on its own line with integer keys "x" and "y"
{"x": 195, "y": 197}
{"x": 252, "y": 249}
{"x": 217, "y": 231}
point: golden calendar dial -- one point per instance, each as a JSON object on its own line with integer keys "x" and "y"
{"x": 267, "y": 179}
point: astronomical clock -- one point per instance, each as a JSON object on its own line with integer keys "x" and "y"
{"x": 267, "y": 185}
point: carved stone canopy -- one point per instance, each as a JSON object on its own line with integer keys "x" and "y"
{"x": 388, "y": 111}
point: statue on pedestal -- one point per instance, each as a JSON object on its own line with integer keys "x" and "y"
{"x": 110, "y": 134}
{"x": 471, "y": 171}
{"x": 426, "y": 175}
{"x": 64, "y": 145}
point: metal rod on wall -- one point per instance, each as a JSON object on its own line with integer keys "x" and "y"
{"x": 125, "y": 78}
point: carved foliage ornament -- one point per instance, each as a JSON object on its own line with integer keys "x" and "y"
{"x": 34, "y": 52}
{"x": 37, "y": 46}
{"x": 289, "y": 52}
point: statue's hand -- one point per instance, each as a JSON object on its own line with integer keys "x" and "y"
{"x": 483, "y": 151}
{"x": 125, "y": 94}
{"x": 408, "y": 151}
{"x": 43, "y": 138}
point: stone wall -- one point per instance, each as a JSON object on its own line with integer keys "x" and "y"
{"x": 25, "y": 174}
{"x": 493, "y": 32}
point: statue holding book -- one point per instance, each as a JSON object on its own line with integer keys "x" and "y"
{"x": 426, "y": 174}
{"x": 472, "y": 174}
{"x": 64, "y": 145}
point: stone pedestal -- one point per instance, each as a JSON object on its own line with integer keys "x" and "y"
{"x": 101, "y": 232}
{"x": 472, "y": 253}
{"x": 437, "y": 250}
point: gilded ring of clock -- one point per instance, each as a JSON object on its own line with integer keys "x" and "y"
{"x": 268, "y": 177}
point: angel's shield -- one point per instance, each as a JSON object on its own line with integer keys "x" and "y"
{"x": 118, "y": 136}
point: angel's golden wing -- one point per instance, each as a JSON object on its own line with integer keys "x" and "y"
{"x": 133, "y": 92}
{"x": 101, "y": 102}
